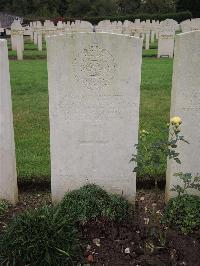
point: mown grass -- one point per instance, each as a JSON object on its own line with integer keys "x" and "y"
{"x": 30, "y": 106}
{"x": 155, "y": 100}
{"x": 30, "y": 51}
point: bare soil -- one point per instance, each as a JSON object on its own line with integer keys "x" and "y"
{"x": 122, "y": 244}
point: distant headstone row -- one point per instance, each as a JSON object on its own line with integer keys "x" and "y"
{"x": 94, "y": 101}
{"x": 147, "y": 30}
{"x": 190, "y": 25}
{"x": 8, "y": 175}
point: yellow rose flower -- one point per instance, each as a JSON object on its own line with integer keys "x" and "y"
{"x": 144, "y": 132}
{"x": 176, "y": 121}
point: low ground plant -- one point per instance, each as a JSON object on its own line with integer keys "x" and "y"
{"x": 4, "y": 205}
{"x": 49, "y": 235}
{"x": 183, "y": 212}
{"x": 153, "y": 159}
{"x": 91, "y": 202}
{"x": 40, "y": 237}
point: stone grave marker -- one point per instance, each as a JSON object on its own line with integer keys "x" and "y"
{"x": 185, "y": 102}
{"x": 94, "y": 95}
{"x": 166, "y": 43}
{"x": 8, "y": 175}
{"x": 17, "y": 38}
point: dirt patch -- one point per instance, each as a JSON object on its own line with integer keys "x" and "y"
{"x": 27, "y": 200}
{"x": 125, "y": 244}
{"x": 122, "y": 244}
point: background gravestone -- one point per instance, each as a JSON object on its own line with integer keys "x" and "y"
{"x": 94, "y": 92}
{"x": 166, "y": 43}
{"x": 186, "y": 104}
{"x": 8, "y": 175}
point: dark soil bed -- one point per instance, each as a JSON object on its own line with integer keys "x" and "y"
{"x": 121, "y": 244}
{"x": 124, "y": 244}
{"x": 115, "y": 240}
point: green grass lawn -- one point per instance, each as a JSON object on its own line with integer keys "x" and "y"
{"x": 30, "y": 51}
{"x": 30, "y": 107}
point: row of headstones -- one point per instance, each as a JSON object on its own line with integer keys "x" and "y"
{"x": 147, "y": 30}
{"x": 164, "y": 32}
{"x": 94, "y": 101}
{"x": 190, "y": 25}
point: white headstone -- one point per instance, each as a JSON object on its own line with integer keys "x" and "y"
{"x": 170, "y": 23}
{"x": 147, "y": 40}
{"x": 152, "y": 36}
{"x": 86, "y": 26}
{"x": 195, "y": 24}
{"x": 186, "y": 104}
{"x": 94, "y": 92}
{"x": 68, "y": 27}
{"x": 17, "y": 38}
{"x": 76, "y": 27}
{"x": 31, "y": 31}
{"x": 185, "y": 25}
{"x": 39, "y": 32}
{"x": 157, "y": 28}
{"x": 49, "y": 28}
{"x": 166, "y": 43}
{"x": 104, "y": 26}
{"x": 8, "y": 175}
{"x": 35, "y": 40}
{"x": 127, "y": 27}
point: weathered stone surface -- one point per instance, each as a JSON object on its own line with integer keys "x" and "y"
{"x": 166, "y": 43}
{"x": 147, "y": 40}
{"x": 8, "y": 176}
{"x": 17, "y": 38}
{"x": 186, "y": 104}
{"x": 94, "y": 91}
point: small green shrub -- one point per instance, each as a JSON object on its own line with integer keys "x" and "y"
{"x": 91, "y": 201}
{"x": 40, "y": 237}
{"x": 119, "y": 208}
{"x": 183, "y": 212}
{"x": 3, "y": 207}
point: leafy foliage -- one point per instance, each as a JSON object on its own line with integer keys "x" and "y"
{"x": 159, "y": 6}
{"x": 154, "y": 153}
{"x": 189, "y": 182}
{"x": 83, "y": 8}
{"x": 3, "y": 207}
{"x": 52, "y": 8}
{"x": 91, "y": 201}
{"x": 191, "y": 5}
{"x": 40, "y": 237}
{"x": 183, "y": 212}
